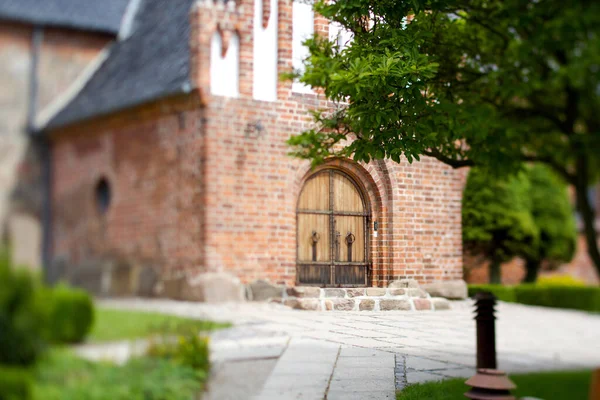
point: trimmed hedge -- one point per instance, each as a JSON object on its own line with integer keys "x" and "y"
{"x": 572, "y": 297}
{"x": 504, "y": 293}
{"x": 15, "y": 383}
{"x": 71, "y": 314}
{"x": 559, "y": 280}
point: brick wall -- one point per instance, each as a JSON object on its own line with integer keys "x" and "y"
{"x": 220, "y": 195}
{"x": 150, "y": 157}
{"x": 581, "y": 267}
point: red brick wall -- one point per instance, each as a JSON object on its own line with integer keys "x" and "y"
{"x": 151, "y": 158}
{"x": 581, "y": 267}
{"x": 252, "y": 185}
{"x": 220, "y": 196}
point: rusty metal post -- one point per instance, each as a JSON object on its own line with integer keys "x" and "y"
{"x": 486, "y": 330}
{"x": 490, "y": 384}
{"x": 595, "y": 385}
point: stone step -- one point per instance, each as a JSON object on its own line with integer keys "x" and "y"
{"x": 361, "y": 299}
{"x": 403, "y": 294}
{"x": 396, "y": 303}
{"x": 346, "y": 293}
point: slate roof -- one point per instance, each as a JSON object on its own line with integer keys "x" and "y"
{"x": 153, "y": 62}
{"x": 92, "y": 15}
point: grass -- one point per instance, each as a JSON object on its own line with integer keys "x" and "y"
{"x": 63, "y": 376}
{"x": 572, "y": 385}
{"x": 112, "y": 325}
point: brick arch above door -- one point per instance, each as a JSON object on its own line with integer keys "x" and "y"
{"x": 372, "y": 178}
{"x": 374, "y": 182}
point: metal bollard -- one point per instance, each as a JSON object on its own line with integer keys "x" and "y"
{"x": 595, "y": 385}
{"x": 486, "y": 330}
{"x": 490, "y": 384}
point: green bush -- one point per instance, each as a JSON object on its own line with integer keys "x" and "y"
{"x": 71, "y": 314}
{"x": 504, "y": 293}
{"x": 62, "y": 376}
{"x": 15, "y": 383}
{"x": 183, "y": 345}
{"x": 22, "y": 316}
{"x": 497, "y": 222}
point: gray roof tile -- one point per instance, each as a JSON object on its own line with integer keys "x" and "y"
{"x": 152, "y": 63}
{"x": 94, "y": 15}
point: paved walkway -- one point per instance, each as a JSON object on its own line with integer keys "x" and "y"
{"x": 274, "y": 352}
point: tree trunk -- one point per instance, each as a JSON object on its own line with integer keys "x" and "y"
{"x": 586, "y": 211}
{"x": 532, "y": 270}
{"x": 495, "y": 275}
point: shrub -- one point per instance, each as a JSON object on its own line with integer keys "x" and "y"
{"x": 182, "y": 344}
{"x": 63, "y": 376}
{"x": 71, "y": 314}
{"x": 497, "y": 223}
{"x": 552, "y": 214}
{"x": 15, "y": 383}
{"x": 504, "y": 293}
{"x": 559, "y": 280}
{"x": 22, "y": 317}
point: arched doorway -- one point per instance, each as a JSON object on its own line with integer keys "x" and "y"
{"x": 332, "y": 234}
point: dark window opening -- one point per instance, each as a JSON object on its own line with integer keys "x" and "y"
{"x": 103, "y": 196}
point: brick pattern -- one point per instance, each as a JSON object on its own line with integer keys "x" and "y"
{"x": 197, "y": 187}
{"x": 513, "y": 272}
{"x": 151, "y": 158}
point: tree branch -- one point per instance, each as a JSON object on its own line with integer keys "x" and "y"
{"x": 454, "y": 163}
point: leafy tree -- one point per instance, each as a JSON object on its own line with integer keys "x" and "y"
{"x": 469, "y": 82}
{"x": 497, "y": 220}
{"x": 553, "y": 215}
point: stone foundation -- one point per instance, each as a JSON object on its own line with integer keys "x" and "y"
{"x": 390, "y": 299}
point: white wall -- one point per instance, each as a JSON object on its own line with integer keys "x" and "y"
{"x": 340, "y": 34}
{"x": 265, "y": 53}
{"x": 225, "y": 69}
{"x": 303, "y": 27}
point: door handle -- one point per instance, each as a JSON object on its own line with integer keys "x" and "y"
{"x": 337, "y": 245}
{"x": 350, "y": 238}
{"x": 314, "y": 238}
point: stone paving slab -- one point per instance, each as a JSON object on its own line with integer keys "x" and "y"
{"x": 303, "y": 371}
{"x": 424, "y": 364}
{"x": 225, "y": 382}
{"x": 421, "y": 346}
{"x": 422, "y": 376}
{"x": 373, "y": 395}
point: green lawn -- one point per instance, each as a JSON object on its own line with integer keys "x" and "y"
{"x": 113, "y": 324}
{"x": 545, "y": 385}
{"x": 62, "y": 376}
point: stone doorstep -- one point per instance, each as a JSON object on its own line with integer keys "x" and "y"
{"x": 313, "y": 292}
{"x": 365, "y": 303}
{"x": 401, "y": 295}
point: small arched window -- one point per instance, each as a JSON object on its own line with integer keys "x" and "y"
{"x": 103, "y": 196}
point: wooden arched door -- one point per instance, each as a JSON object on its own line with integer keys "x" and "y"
{"x": 332, "y": 236}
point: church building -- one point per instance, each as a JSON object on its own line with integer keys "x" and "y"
{"x": 169, "y": 162}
